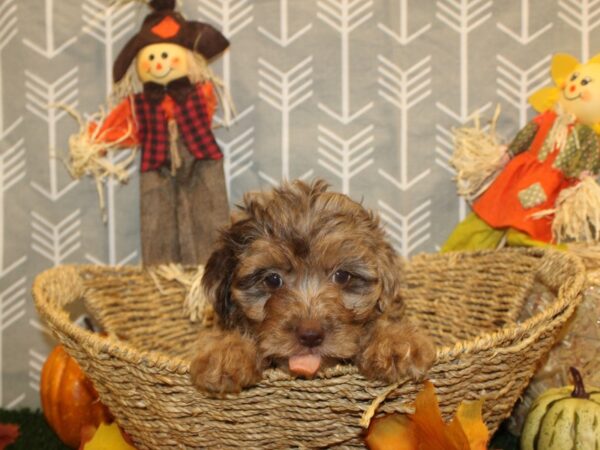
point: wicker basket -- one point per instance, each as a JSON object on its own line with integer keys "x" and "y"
{"x": 471, "y": 303}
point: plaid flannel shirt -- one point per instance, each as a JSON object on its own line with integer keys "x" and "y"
{"x": 193, "y": 124}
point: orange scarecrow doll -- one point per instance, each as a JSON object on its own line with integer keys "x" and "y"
{"x": 544, "y": 190}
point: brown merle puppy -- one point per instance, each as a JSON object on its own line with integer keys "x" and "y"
{"x": 304, "y": 279}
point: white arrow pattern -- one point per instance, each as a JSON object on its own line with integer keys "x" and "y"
{"x": 285, "y": 91}
{"x": 49, "y": 50}
{"x": 108, "y": 25}
{"x": 404, "y": 89}
{"x": 407, "y": 231}
{"x": 515, "y": 85}
{"x": 284, "y": 39}
{"x": 12, "y": 308}
{"x": 8, "y": 30}
{"x": 463, "y": 16}
{"x": 583, "y": 16}
{"x": 12, "y": 170}
{"x": 231, "y": 17}
{"x": 36, "y": 363}
{"x": 237, "y": 155}
{"x": 56, "y": 242}
{"x": 346, "y": 158}
{"x": 524, "y": 36}
{"x": 444, "y": 148}
{"x": 345, "y": 16}
{"x": 42, "y": 100}
{"x": 8, "y": 22}
{"x": 403, "y": 36}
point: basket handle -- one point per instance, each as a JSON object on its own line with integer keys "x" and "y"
{"x": 55, "y": 288}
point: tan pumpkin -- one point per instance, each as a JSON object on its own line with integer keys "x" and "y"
{"x": 564, "y": 418}
{"x": 69, "y": 400}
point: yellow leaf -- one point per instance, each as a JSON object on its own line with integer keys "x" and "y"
{"x": 470, "y": 419}
{"x": 107, "y": 437}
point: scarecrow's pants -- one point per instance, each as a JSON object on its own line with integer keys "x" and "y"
{"x": 474, "y": 233}
{"x": 182, "y": 213}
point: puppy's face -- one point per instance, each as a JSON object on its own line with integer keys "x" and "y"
{"x": 304, "y": 271}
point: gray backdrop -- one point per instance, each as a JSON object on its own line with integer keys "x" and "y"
{"x": 363, "y": 93}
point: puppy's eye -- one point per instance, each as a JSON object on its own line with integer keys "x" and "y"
{"x": 273, "y": 281}
{"x": 341, "y": 277}
{"x": 574, "y": 76}
{"x": 586, "y": 80}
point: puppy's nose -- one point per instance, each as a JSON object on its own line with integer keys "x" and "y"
{"x": 310, "y": 334}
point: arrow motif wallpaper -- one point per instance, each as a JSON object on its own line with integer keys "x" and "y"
{"x": 363, "y": 93}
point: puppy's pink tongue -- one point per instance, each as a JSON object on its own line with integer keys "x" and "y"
{"x": 305, "y": 365}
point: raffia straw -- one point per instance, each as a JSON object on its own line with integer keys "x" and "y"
{"x": 226, "y": 101}
{"x": 577, "y": 213}
{"x": 365, "y": 420}
{"x": 173, "y": 148}
{"x": 87, "y": 153}
{"x": 560, "y": 131}
{"x": 477, "y": 158}
{"x": 199, "y": 72}
{"x": 195, "y": 305}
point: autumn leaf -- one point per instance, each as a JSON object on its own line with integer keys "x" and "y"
{"x": 105, "y": 437}
{"x": 426, "y": 430}
{"x": 8, "y": 434}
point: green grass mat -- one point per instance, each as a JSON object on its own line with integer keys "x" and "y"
{"x": 35, "y": 432}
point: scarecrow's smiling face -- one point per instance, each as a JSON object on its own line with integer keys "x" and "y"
{"x": 162, "y": 63}
{"x": 580, "y": 93}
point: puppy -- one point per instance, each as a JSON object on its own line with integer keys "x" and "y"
{"x": 304, "y": 279}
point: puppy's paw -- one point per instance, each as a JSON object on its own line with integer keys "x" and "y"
{"x": 224, "y": 363}
{"x": 394, "y": 351}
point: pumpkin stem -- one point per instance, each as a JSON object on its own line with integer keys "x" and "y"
{"x": 579, "y": 391}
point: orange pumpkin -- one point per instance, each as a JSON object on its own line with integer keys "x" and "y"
{"x": 69, "y": 400}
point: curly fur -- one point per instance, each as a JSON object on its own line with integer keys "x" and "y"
{"x": 305, "y": 235}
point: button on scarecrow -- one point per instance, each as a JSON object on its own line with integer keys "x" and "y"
{"x": 169, "y": 100}
{"x": 541, "y": 188}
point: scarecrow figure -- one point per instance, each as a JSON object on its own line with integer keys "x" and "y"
{"x": 182, "y": 185}
{"x": 540, "y": 189}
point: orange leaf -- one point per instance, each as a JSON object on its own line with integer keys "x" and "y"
{"x": 393, "y": 432}
{"x": 432, "y": 431}
{"x": 426, "y": 430}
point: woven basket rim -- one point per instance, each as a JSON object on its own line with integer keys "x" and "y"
{"x": 95, "y": 344}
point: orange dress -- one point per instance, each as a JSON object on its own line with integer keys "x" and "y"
{"x": 533, "y": 179}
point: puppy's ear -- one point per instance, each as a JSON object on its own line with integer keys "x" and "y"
{"x": 391, "y": 267}
{"x": 217, "y": 278}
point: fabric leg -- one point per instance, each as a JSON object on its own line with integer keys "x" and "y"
{"x": 516, "y": 238}
{"x": 158, "y": 220}
{"x": 473, "y": 234}
{"x": 202, "y": 207}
